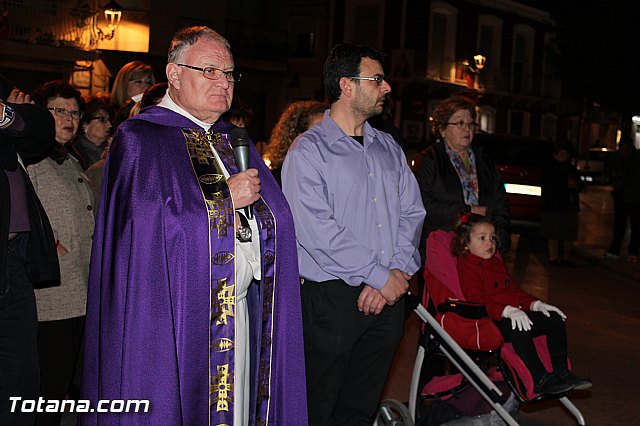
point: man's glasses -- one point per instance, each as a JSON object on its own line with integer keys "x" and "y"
{"x": 76, "y": 114}
{"x": 378, "y": 79}
{"x": 214, "y": 73}
{"x": 462, "y": 124}
{"x": 102, "y": 119}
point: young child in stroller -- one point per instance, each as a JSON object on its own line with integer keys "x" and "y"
{"x": 519, "y": 315}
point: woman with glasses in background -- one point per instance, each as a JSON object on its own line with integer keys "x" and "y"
{"x": 94, "y": 133}
{"x": 456, "y": 178}
{"x": 68, "y": 201}
{"x": 129, "y": 85}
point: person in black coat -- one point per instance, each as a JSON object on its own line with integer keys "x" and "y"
{"x": 560, "y": 204}
{"x": 456, "y": 178}
{"x": 28, "y": 256}
{"x": 623, "y": 169}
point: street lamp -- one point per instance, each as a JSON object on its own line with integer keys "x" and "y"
{"x": 112, "y": 16}
{"x": 472, "y": 72}
{"x": 480, "y": 60}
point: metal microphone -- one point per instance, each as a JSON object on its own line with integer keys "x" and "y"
{"x": 240, "y": 143}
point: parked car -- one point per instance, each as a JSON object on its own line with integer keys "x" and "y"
{"x": 591, "y": 165}
{"x": 520, "y": 161}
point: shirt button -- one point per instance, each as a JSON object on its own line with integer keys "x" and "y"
{"x": 379, "y": 225}
{"x": 89, "y": 208}
{"x": 80, "y": 180}
{"x": 375, "y": 200}
{"x": 381, "y": 251}
{"x": 370, "y": 174}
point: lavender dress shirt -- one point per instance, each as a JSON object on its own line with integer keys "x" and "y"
{"x": 357, "y": 208}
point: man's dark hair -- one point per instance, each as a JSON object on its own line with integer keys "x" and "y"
{"x": 344, "y": 61}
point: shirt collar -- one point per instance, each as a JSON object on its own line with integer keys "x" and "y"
{"x": 334, "y": 133}
{"x": 169, "y": 103}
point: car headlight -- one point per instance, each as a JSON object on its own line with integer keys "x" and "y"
{"x": 514, "y": 188}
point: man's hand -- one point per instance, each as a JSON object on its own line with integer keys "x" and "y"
{"x": 17, "y": 97}
{"x": 370, "y": 301}
{"x": 396, "y": 286}
{"x": 245, "y": 188}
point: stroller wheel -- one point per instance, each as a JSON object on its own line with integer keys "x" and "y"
{"x": 393, "y": 413}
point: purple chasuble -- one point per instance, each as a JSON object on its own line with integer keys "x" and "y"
{"x": 161, "y": 302}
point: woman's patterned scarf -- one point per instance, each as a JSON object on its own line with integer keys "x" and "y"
{"x": 467, "y": 173}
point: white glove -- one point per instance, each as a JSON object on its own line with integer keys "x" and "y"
{"x": 518, "y": 318}
{"x": 540, "y": 306}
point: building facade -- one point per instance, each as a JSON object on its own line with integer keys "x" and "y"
{"x": 500, "y": 53}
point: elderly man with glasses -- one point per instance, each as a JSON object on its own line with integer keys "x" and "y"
{"x": 202, "y": 321}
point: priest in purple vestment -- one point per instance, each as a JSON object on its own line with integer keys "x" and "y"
{"x": 184, "y": 312}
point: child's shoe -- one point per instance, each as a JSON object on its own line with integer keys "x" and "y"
{"x": 578, "y": 382}
{"x": 609, "y": 255}
{"x": 551, "y": 384}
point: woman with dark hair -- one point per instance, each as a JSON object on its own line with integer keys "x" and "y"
{"x": 295, "y": 119}
{"x": 455, "y": 177}
{"x": 67, "y": 199}
{"x": 95, "y": 132}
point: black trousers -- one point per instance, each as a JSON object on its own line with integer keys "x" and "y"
{"x": 19, "y": 371}
{"x": 553, "y": 327}
{"x": 623, "y": 213}
{"x": 347, "y": 353}
{"x": 59, "y": 344}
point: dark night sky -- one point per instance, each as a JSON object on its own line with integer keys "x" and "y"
{"x": 598, "y": 43}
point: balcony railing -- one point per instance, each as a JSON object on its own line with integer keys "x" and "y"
{"x": 448, "y": 70}
{"x": 49, "y": 22}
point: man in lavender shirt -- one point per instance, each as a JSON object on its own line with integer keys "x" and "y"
{"x": 358, "y": 215}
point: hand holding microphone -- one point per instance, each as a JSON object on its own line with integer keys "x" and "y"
{"x": 245, "y": 185}
{"x": 245, "y": 188}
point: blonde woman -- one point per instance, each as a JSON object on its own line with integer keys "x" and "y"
{"x": 131, "y": 81}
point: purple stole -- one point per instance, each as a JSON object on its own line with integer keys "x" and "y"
{"x": 217, "y": 199}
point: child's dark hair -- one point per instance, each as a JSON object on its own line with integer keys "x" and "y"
{"x": 463, "y": 232}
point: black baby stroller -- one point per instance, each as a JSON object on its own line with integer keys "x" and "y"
{"x": 448, "y": 333}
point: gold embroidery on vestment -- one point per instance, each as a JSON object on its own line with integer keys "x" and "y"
{"x": 222, "y": 258}
{"x": 222, "y": 388}
{"x": 211, "y": 178}
{"x": 224, "y": 302}
{"x": 222, "y": 344}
